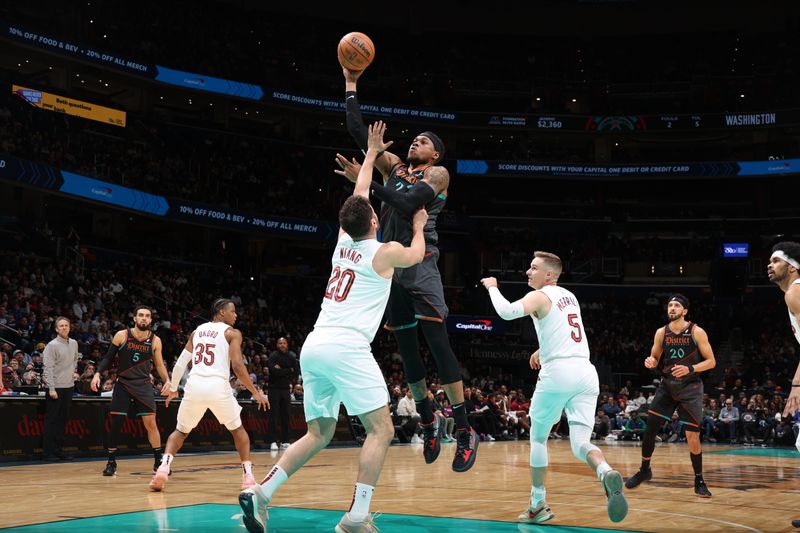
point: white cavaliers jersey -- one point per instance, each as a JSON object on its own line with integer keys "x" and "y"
{"x": 561, "y": 333}
{"x": 793, "y": 321}
{"x": 356, "y": 296}
{"x": 210, "y": 351}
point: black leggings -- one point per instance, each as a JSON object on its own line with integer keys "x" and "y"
{"x": 436, "y": 335}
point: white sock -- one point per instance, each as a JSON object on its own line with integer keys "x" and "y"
{"x": 247, "y": 467}
{"x": 361, "y": 498}
{"x": 603, "y": 469}
{"x": 166, "y": 459}
{"x": 273, "y": 480}
{"x": 537, "y": 496}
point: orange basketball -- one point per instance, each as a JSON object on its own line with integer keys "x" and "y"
{"x": 356, "y": 51}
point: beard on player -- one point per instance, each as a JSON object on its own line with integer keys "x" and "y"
{"x": 674, "y": 316}
{"x": 143, "y": 324}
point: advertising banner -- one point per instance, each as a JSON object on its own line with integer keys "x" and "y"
{"x": 22, "y": 428}
{"x": 78, "y": 186}
{"x": 476, "y": 324}
{"x": 70, "y": 106}
{"x": 720, "y": 169}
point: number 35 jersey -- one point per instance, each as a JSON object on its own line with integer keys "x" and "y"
{"x": 210, "y": 351}
{"x": 355, "y": 296}
{"x": 561, "y": 333}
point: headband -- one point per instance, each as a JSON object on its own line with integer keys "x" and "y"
{"x": 780, "y": 254}
{"x": 681, "y": 300}
{"x": 437, "y": 143}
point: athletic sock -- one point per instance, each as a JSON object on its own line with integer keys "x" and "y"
{"x": 645, "y": 465}
{"x": 112, "y": 455}
{"x": 537, "y": 496}
{"x": 166, "y": 460}
{"x": 273, "y": 480}
{"x": 425, "y": 410}
{"x": 247, "y": 467}
{"x": 460, "y": 416}
{"x": 157, "y": 453}
{"x": 697, "y": 464}
{"x": 362, "y": 495}
{"x": 603, "y": 469}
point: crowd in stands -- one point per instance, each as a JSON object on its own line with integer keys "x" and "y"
{"x": 701, "y": 70}
{"x": 99, "y": 302}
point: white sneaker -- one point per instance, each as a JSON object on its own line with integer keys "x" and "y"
{"x": 273, "y": 447}
{"x": 347, "y": 525}
{"x": 284, "y": 446}
{"x": 416, "y": 440}
{"x": 536, "y": 516}
{"x": 254, "y": 504}
{"x": 490, "y": 438}
{"x": 248, "y": 481}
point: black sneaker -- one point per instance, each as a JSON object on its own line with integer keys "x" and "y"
{"x": 466, "y": 449}
{"x": 639, "y": 477}
{"x": 701, "y": 489}
{"x": 431, "y": 440}
{"x": 795, "y": 523}
{"x": 111, "y": 468}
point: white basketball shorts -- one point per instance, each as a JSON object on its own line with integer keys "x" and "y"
{"x": 338, "y": 367}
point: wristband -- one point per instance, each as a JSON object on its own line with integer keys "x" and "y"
{"x": 691, "y": 369}
{"x": 798, "y": 385}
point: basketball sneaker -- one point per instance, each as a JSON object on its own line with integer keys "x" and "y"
{"x": 254, "y": 504}
{"x": 617, "y": 504}
{"x": 795, "y": 523}
{"x": 273, "y": 447}
{"x": 536, "y": 516}
{"x": 430, "y": 440}
{"x": 700, "y": 488}
{"x": 639, "y": 477}
{"x": 346, "y": 525}
{"x": 466, "y": 449}
{"x": 159, "y": 478}
{"x": 111, "y": 468}
{"x": 247, "y": 481}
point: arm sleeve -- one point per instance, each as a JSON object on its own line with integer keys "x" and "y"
{"x": 355, "y": 122}
{"x": 504, "y": 308}
{"x": 179, "y": 368}
{"x": 105, "y": 363}
{"x": 405, "y": 202}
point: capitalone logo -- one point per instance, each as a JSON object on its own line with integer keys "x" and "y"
{"x": 102, "y": 191}
{"x": 194, "y": 81}
{"x": 480, "y": 325}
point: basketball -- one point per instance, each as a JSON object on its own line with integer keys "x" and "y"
{"x": 356, "y": 51}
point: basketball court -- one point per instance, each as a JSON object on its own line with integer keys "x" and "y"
{"x": 755, "y": 489}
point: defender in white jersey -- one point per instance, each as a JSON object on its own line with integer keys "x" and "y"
{"x": 567, "y": 382}
{"x": 784, "y": 271}
{"x": 336, "y": 360}
{"x": 213, "y": 349}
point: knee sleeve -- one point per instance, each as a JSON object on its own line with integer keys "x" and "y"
{"x": 579, "y": 439}
{"x": 408, "y": 344}
{"x": 538, "y": 453}
{"x": 446, "y": 362}
{"x": 539, "y": 437}
{"x": 654, "y": 423}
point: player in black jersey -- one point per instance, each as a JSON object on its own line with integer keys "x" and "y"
{"x": 138, "y": 349}
{"x": 417, "y": 296}
{"x": 680, "y": 351}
